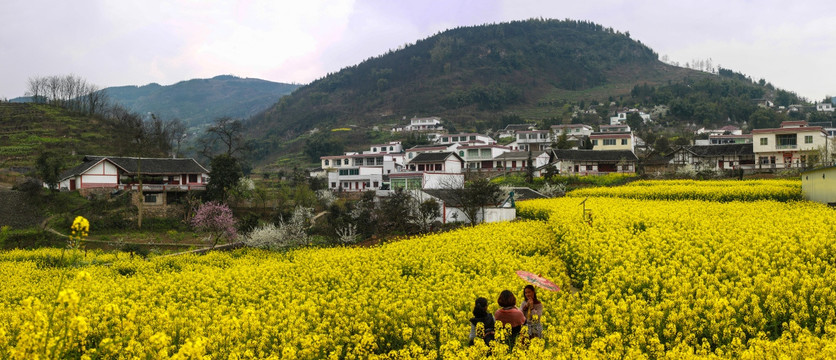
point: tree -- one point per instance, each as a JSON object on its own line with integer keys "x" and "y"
{"x": 217, "y": 219}
{"x": 428, "y": 211}
{"x": 48, "y": 167}
{"x": 562, "y": 141}
{"x": 474, "y": 197}
{"x": 635, "y": 121}
{"x": 225, "y": 133}
{"x": 529, "y": 169}
{"x": 223, "y": 176}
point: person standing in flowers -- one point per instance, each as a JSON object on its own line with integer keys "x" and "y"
{"x": 533, "y": 310}
{"x": 509, "y": 314}
{"x": 481, "y": 315}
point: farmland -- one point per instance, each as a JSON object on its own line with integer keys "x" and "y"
{"x": 678, "y": 278}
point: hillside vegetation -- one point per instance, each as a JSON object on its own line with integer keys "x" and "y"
{"x": 469, "y": 76}
{"x": 483, "y": 77}
{"x": 28, "y": 129}
{"x": 200, "y": 101}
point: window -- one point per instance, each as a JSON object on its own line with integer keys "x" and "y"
{"x": 150, "y": 198}
{"x": 345, "y": 172}
{"x": 420, "y": 167}
{"x": 808, "y": 139}
{"x": 374, "y": 149}
{"x": 764, "y": 141}
{"x": 375, "y": 184}
{"x": 333, "y": 185}
{"x": 595, "y": 142}
{"x": 327, "y": 162}
{"x": 473, "y": 138}
{"x": 461, "y": 153}
{"x": 786, "y": 141}
{"x": 445, "y": 139}
{"x": 345, "y": 161}
{"x": 437, "y": 167}
{"x": 623, "y": 141}
{"x": 609, "y": 142}
{"x": 192, "y": 178}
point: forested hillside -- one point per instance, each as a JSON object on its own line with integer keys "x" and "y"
{"x": 200, "y": 101}
{"x": 475, "y": 78}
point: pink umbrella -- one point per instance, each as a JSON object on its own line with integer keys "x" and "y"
{"x": 538, "y": 280}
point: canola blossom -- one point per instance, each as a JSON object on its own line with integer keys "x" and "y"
{"x": 410, "y": 298}
{"x": 681, "y": 278}
{"x": 709, "y": 190}
{"x": 641, "y": 278}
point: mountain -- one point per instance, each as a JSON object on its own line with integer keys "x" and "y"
{"x": 481, "y": 78}
{"x": 201, "y": 101}
{"x": 472, "y": 77}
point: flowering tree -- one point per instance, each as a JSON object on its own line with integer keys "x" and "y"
{"x": 215, "y": 218}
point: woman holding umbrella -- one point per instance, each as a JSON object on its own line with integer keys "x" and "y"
{"x": 533, "y": 310}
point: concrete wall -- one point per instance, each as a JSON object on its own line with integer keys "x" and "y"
{"x": 819, "y": 185}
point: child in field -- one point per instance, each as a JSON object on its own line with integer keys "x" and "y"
{"x": 481, "y": 315}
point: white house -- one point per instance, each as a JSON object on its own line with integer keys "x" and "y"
{"x": 593, "y": 162}
{"x": 160, "y": 176}
{"x": 534, "y": 140}
{"x": 361, "y": 172}
{"x": 464, "y": 138}
{"x": 481, "y": 156}
{"x": 416, "y": 150}
{"x": 440, "y": 162}
{"x": 518, "y": 160}
{"x": 826, "y": 107}
{"x": 621, "y": 117}
{"x": 715, "y": 157}
{"x": 432, "y": 123}
{"x": 511, "y": 129}
{"x": 794, "y": 144}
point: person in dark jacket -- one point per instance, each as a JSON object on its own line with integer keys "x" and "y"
{"x": 481, "y": 315}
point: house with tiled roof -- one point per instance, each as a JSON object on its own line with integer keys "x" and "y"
{"x": 444, "y": 162}
{"x": 593, "y": 162}
{"x": 715, "y": 157}
{"x": 159, "y": 176}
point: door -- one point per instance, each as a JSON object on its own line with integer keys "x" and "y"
{"x": 721, "y": 165}
{"x": 72, "y": 184}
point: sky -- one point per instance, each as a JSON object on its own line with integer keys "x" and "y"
{"x": 791, "y": 44}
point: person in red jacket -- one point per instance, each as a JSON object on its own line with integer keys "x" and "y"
{"x": 509, "y": 314}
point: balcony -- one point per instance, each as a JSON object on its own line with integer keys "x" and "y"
{"x": 786, "y": 146}
{"x": 163, "y": 187}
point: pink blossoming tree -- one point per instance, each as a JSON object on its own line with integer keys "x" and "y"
{"x": 216, "y": 219}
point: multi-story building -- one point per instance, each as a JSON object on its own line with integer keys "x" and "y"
{"x": 572, "y": 130}
{"x": 613, "y": 141}
{"x": 794, "y": 144}
{"x": 467, "y": 138}
{"x": 621, "y": 117}
{"x": 534, "y": 140}
{"x": 360, "y": 172}
{"x": 480, "y": 156}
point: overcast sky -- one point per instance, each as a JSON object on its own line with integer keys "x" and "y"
{"x": 111, "y": 43}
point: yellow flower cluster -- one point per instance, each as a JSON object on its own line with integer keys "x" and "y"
{"x": 692, "y": 278}
{"x": 406, "y": 299}
{"x": 710, "y": 190}
{"x": 79, "y": 231}
{"x": 641, "y": 279}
